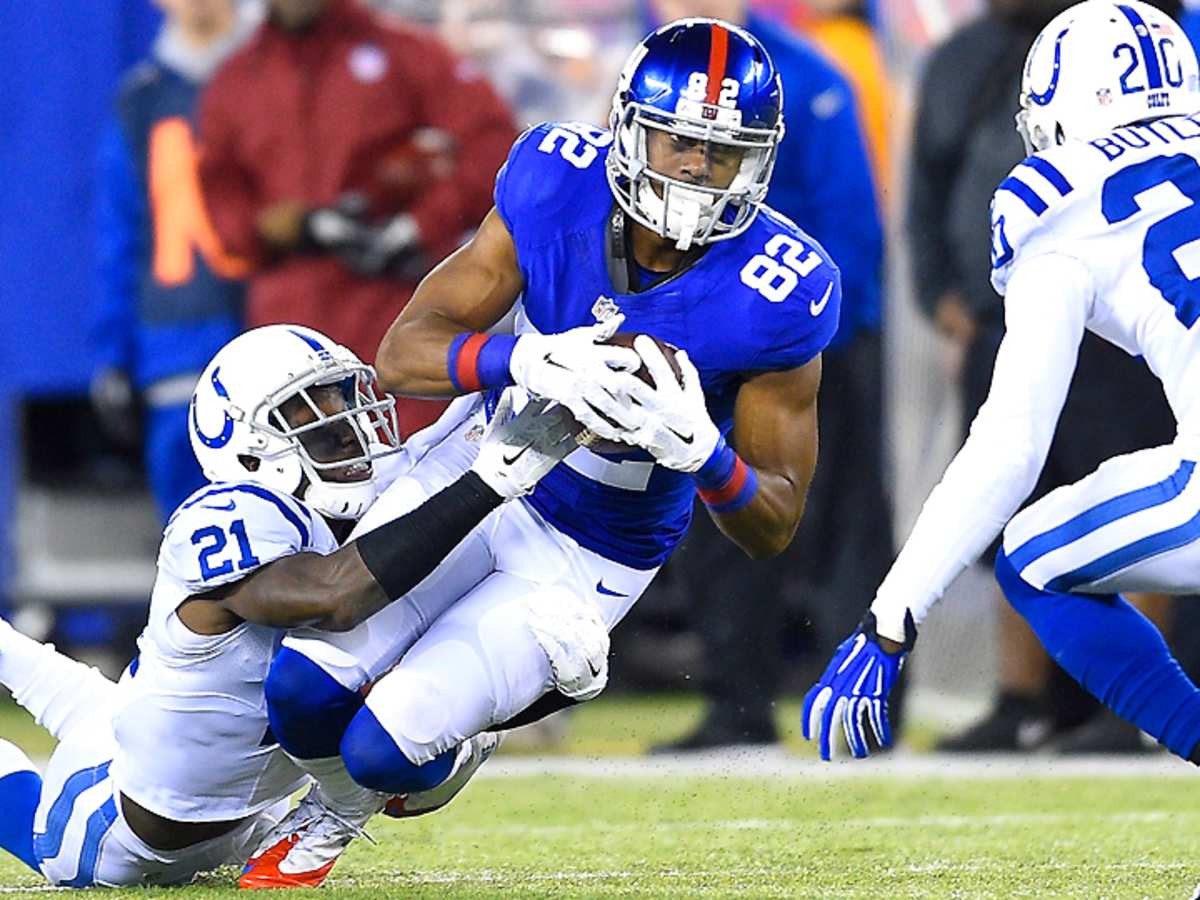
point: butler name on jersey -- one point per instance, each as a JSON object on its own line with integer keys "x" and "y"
{"x": 765, "y": 299}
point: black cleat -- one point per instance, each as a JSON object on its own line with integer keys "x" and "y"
{"x": 1015, "y": 724}
{"x": 1105, "y": 732}
{"x": 714, "y": 734}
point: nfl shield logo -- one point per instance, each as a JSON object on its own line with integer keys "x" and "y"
{"x": 1104, "y": 95}
{"x": 604, "y": 308}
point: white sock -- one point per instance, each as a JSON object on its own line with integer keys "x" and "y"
{"x": 340, "y": 793}
{"x": 60, "y": 692}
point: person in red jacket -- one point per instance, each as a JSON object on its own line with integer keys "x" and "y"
{"x": 343, "y": 154}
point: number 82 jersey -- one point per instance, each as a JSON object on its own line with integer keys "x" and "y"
{"x": 1127, "y": 207}
{"x": 765, "y": 300}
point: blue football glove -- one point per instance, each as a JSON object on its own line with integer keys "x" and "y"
{"x": 854, "y": 690}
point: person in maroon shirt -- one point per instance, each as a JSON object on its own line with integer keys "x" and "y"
{"x": 342, "y": 155}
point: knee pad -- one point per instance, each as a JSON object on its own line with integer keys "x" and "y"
{"x": 307, "y": 708}
{"x": 374, "y": 760}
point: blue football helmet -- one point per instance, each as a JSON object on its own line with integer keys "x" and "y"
{"x": 707, "y": 80}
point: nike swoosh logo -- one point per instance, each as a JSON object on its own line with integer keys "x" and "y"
{"x": 509, "y": 460}
{"x": 549, "y": 360}
{"x": 595, "y": 672}
{"x": 687, "y": 439}
{"x": 601, "y": 589}
{"x": 226, "y": 508}
{"x": 816, "y": 307}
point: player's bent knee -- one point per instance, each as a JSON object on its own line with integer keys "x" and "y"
{"x": 374, "y": 760}
{"x": 307, "y": 708}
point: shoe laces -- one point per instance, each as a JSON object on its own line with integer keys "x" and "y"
{"x": 313, "y": 817}
{"x": 332, "y": 825}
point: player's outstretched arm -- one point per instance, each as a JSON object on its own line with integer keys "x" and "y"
{"x": 1046, "y": 307}
{"x": 338, "y": 591}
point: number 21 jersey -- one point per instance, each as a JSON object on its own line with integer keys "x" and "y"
{"x": 193, "y": 742}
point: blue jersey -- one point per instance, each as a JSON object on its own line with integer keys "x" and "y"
{"x": 766, "y": 300}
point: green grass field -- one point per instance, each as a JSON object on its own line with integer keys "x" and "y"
{"x": 723, "y": 835}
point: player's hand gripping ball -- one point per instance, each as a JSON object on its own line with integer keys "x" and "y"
{"x": 625, "y": 339}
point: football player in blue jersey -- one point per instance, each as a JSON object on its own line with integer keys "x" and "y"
{"x": 658, "y": 224}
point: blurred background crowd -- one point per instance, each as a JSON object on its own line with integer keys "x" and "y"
{"x": 179, "y": 170}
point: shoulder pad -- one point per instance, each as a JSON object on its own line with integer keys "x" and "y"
{"x": 533, "y": 184}
{"x": 225, "y": 531}
{"x": 802, "y": 288}
{"x": 1029, "y": 197}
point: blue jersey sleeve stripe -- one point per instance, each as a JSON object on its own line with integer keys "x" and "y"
{"x": 1024, "y": 193}
{"x": 285, "y": 508}
{"x": 1102, "y": 514}
{"x": 1048, "y": 171}
{"x": 1149, "y": 52}
{"x": 98, "y": 824}
{"x": 48, "y": 844}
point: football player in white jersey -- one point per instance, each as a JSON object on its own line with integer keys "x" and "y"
{"x": 174, "y": 770}
{"x": 1097, "y": 229}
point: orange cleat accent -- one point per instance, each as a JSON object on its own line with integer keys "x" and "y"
{"x": 262, "y": 872}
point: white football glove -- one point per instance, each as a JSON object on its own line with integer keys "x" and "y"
{"x": 586, "y": 376}
{"x": 677, "y": 429}
{"x": 575, "y": 641}
{"x": 516, "y": 451}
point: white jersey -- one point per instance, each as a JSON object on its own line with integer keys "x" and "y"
{"x": 1126, "y": 206}
{"x": 191, "y": 727}
{"x": 1102, "y": 236}
{"x": 193, "y": 742}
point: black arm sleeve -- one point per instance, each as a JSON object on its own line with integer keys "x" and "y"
{"x": 400, "y": 554}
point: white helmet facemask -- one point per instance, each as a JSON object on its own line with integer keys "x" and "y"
{"x": 286, "y": 407}
{"x": 1100, "y": 65}
{"x": 336, "y": 450}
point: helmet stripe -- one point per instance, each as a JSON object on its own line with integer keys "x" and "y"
{"x": 312, "y": 342}
{"x": 1149, "y": 51}
{"x": 718, "y": 52}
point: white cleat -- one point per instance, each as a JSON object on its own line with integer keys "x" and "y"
{"x": 302, "y": 848}
{"x": 472, "y": 753}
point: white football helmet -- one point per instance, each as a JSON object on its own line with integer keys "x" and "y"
{"x": 1100, "y": 65}
{"x": 324, "y": 454}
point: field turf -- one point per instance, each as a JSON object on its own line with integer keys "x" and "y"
{"x": 594, "y": 830}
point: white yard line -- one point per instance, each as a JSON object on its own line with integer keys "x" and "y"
{"x": 779, "y": 764}
{"x": 798, "y": 825}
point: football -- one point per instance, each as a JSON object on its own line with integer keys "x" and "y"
{"x": 626, "y": 339}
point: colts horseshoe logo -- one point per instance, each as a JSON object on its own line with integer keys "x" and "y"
{"x": 1041, "y": 99}
{"x": 227, "y": 429}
